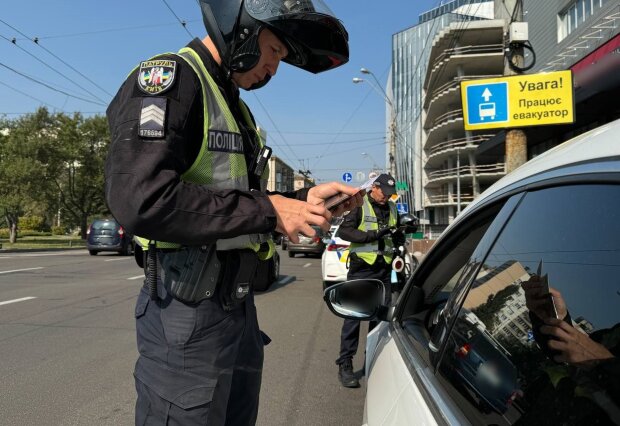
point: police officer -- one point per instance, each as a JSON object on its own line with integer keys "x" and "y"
{"x": 186, "y": 172}
{"x": 369, "y": 228}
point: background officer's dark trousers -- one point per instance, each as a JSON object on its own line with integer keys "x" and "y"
{"x": 198, "y": 364}
{"x": 350, "y": 334}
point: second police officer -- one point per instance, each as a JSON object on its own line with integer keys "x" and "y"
{"x": 370, "y": 230}
{"x": 186, "y": 172}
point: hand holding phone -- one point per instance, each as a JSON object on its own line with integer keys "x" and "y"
{"x": 333, "y": 202}
{"x": 538, "y": 295}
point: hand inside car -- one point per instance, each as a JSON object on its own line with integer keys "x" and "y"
{"x": 537, "y": 299}
{"x": 574, "y": 346}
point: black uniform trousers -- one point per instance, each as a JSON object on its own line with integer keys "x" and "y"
{"x": 198, "y": 364}
{"x": 350, "y": 334}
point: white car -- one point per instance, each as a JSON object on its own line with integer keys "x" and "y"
{"x": 334, "y": 265}
{"x": 513, "y": 316}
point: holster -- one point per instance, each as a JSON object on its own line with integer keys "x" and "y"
{"x": 238, "y": 276}
{"x": 190, "y": 274}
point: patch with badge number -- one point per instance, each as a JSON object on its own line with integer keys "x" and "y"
{"x": 156, "y": 76}
{"x": 153, "y": 118}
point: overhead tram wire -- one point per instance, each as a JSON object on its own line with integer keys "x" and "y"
{"x": 278, "y": 131}
{"x": 346, "y": 123}
{"x": 109, "y": 30}
{"x": 65, "y": 112}
{"x": 51, "y": 68}
{"x": 183, "y": 23}
{"x": 50, "y": 87}
{"x": 342, "y": 142}
{"x": 35, "y": 40}
{"x": 29, "y": 96}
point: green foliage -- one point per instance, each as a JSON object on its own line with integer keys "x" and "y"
{"x": 33, "y": 223}
{"x": 4, "y": 233}
{"x": 488, "y": 310}
{"x": 51, "y": 163}
{"x": 59, "y": 230}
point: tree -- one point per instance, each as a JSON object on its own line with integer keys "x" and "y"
{"x": 21, "y": 165}
{"x": 51, "y": 161}
{"x": 77, "y": 171}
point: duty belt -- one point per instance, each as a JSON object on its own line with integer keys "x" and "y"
{"x": 192, "y": 274}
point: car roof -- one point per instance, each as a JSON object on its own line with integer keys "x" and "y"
{"x": 597, "y": 144}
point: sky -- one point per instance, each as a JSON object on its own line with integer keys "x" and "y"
{"x": 323, "y": 123}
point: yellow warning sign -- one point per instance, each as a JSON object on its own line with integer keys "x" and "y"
{"x": 518, "y": 101}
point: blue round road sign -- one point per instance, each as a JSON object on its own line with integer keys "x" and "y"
{"x": 347, "y": 177}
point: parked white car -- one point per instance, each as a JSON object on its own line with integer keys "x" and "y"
{"x": 513, "y": 316}
{"x": 334, "y": 265}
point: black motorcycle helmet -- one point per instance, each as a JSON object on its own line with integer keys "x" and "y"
{"x": 316, "y": 40}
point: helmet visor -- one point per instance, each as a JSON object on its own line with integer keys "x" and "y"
{"x": 267, "y": 10}
{"x": 317, "y": 41}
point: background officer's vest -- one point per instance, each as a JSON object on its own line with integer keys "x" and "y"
{"x": 368, "y": 251}
{"x": 216, "y": 167}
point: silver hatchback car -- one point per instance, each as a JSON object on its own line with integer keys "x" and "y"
{"x": 513, "y": 317}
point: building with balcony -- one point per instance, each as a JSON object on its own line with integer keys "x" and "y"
{"x": 411, "y": 61}
{"x": 452, "y": 172}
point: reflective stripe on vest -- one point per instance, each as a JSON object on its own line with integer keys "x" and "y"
{"x": 368, "y": 251}
{"x": 219, "y": 168}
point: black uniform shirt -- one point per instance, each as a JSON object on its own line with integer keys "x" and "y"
{"x": 143, "y": 184}
{"x": 348, "y": 229}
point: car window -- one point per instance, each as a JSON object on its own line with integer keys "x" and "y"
{"x": 104, "y": 224}
{"x": 505, "y": 360}
{"x": 455, "y": 265}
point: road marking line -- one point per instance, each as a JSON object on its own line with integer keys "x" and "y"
{"x": 116, "y": 260}
{"x": 136, "y": 277}
{"x": 20, "y": 270}
{"x": 64, "y": 253}
{"x": 307, "y": 264}
{"x": 17, "y": 300}
{"x": 286, "y": 279}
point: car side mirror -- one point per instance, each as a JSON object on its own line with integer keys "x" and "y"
{"x": 361, "y": 300}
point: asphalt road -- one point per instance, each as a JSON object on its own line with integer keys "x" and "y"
{"x": 67, "y": 343}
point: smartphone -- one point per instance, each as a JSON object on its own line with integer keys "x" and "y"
{"x": 549, "y": 304}
{"x": 333, "y": 202}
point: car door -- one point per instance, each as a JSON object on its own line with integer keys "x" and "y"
{"x": 402, "y": 387}
{"x": 514, "y": 355}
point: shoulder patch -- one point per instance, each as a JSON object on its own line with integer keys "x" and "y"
{"x": 156, "y": 76}
{"x": 153, "y": 117}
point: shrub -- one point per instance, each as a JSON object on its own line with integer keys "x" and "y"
{"x": 59, "y": 230}
{"x": 34, "y": 223}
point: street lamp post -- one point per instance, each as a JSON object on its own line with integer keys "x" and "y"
{"x": 372, "y": 160}
{"x": 381, "y": 91}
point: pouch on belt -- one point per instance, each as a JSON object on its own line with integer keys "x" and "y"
{"x": 190, "y": 274}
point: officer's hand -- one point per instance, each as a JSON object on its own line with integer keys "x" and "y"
{"x": 296, "y": 216}
{"x": 383, "y": 232}
{"x": 318, "y": 194}
{"x": 398, "y": 237}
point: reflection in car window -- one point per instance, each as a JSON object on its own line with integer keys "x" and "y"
{"x": 538, "y": 335}
{"x": 453, "y": 268}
